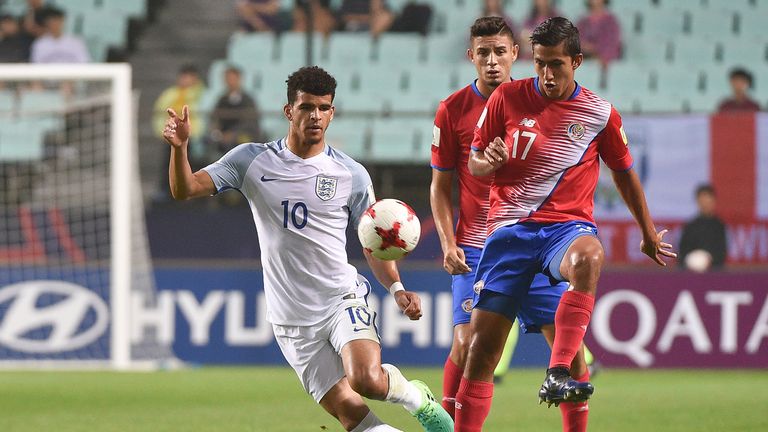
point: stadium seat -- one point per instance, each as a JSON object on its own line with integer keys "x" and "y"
{"x": 743, "y": 52}
{"x": 393, "y": 140}
{"x": 710, "y": 23}
{"x": 627, "y": 75}
{"x": 716, "y": 81}
{"x": 660, "y": 103}
{"x": 522, "y": 69}
{"x": 14, "y": 7}
{"x": 646, "y": 49}
{"x": 693, "y": 50}
{"x": 662, "y": 21}
{"x": 382, "y": 81}
{"x": 41, "y": 101}
{"x": 350, "y": 134}
{"x": 348, "y": 49}
{"x": 702, "y": 103}
{"x": 424, "y": 80}
{"x": 674, "y": 80}
{"x": 21, "y": 140}
{"x": 395, "y": 49}
{"x": 751, "y": 25}
{"x": 573, "y": 10}
{"x": 413, "y": 102}
{"x": 131, "y": 8}
{"x": 75, "y": 6}
{"x": 251, "y": 49}
{"x": 274, "y": 126}
{"x": 7, "y": 103}
{"x": 293, "y": 48}
{"x": 104, "y": 25}
{"x": 590, "y": 75}
{"x": 442, "y": 50}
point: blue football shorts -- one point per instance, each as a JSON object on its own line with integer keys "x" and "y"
{"x": 519, "y": 271}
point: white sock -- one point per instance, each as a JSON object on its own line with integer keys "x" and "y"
{"x": 401, "y": 391}
{"x": 371, "y": 423}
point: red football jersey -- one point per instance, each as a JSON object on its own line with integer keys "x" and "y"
{"x": 452, "y": 135}
{"x": 553, "y": 148}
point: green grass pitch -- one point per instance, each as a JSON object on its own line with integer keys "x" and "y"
{"x": 271, "y": 399}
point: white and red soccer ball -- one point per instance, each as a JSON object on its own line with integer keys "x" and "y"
{"x": 389, "y": 229}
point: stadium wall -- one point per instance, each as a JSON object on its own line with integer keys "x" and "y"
{"x": 642, "y": 319}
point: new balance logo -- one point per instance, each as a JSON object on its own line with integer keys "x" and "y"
{"x": 265, "y": 179}
{"x": 527, "y": 122}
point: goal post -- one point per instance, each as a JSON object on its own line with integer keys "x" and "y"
{"x": 76, "y": 159}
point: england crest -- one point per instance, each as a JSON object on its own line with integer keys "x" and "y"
{"x": 325, "y": 187}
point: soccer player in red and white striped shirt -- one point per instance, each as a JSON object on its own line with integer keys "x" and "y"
{"x": 541, "y": 139}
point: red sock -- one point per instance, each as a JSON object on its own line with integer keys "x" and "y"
{"x": 571, "y": 320}
{"x": 575, "y": 414}
{"x": 451, "y": 379}
{"x": 473, "y": 403}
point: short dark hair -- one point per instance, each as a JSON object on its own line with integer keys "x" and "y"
{"x": 705, "y": 188}
{"x": 48, "y": 12}
{"x": 313, "y": 80}
{"x": 491, "y": 26}
{"x": 233, "y": 69}
{"x": 189, "y": 69}
{"x": 740, "y": 72}
{"x": 555, "y": 30}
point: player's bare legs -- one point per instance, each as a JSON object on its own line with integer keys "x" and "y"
{"x": 574, "y": 414}
{"x": 345, "y": 405}
{"x": 581, "y": 265}
{"x": 489, "y": 331}
{"x": 362, "y": 364}
{"x": 369, "y": 378}
{"x": 460, "y": 345}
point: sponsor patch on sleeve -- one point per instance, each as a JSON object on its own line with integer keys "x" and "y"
{"x": 436, "y": 136}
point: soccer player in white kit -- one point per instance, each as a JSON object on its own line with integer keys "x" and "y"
{"x": 303, "y": 194}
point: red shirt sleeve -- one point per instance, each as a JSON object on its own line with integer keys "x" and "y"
{"x": 445, "y": 146}
{"x": 612, "y": 144}
{"x": 491, "y": 122}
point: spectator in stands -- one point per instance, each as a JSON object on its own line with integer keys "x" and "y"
{"x": 323, "y": 20}
{"x": 741, "y": 82}
{"x": 235, "y": 119}
{"x": 703, "y": 241}
{"x": 34, "y": 18}
{"x": 14, "y": 44}
{"x": 600, "y": 33}
{"x": 365, "y": 15}
{"x": 55, "y": 46}
{"x": 187, "y": 91}
{"x": 495, "y": 8}
{"x": 259, "y": 15}
{"x": 540, "y": 11}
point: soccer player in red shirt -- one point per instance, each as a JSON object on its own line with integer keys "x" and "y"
{"x": 492, "y": 51}
{"x": 541, "y": 138}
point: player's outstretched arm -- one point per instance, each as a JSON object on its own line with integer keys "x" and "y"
{"x": 184, "y": 184}
{"x": 386, "y": 273}
{"x": 442, "y": 212}
{"x": 631, "y": 190}
{"x": 485, "y": 162}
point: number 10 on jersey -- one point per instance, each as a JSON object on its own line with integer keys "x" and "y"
{"x": 298, "y": 220}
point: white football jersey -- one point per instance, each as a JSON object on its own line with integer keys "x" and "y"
{"x": 301, "y": 208}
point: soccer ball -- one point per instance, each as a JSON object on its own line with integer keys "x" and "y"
{"x": 698, "y": 261}
{"x": 389, "y": 229}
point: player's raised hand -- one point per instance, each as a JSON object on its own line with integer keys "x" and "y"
{"x": 496, "y": 153}
{"x": 176, "y": 131}
{"x": 410, "y": 303}
{"x": 454, "y": 261}
{"x": 656, "y": 248}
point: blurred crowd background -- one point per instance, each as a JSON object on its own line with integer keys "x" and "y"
{"x": 394, "y": 61}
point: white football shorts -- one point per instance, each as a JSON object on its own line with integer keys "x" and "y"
{"x": 314, "y": 352}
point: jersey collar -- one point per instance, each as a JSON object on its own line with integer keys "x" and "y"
{"x": 573, "y": 96}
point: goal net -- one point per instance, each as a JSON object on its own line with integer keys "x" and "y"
{"x": 74, "y": 256}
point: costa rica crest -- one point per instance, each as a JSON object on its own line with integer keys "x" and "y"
{"x": 576, "y": 130}
{"x": 325, "y": 187}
